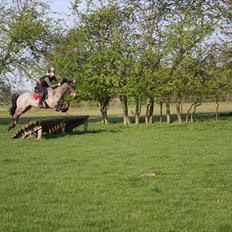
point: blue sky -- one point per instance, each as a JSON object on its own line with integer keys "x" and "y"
{"x": 62, "y": 7}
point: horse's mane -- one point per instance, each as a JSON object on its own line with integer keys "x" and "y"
{"x": 65, "y": 80}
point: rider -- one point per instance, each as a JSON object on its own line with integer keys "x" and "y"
{"x": 49, "y": 80}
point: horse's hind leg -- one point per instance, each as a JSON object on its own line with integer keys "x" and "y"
{"x": 16, "y": 116}
{"x": 14, "y": 121}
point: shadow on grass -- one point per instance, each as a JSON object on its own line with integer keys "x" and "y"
{"x": 78, "y": 133}
{"x": 25, "y": 120}
{"x": 198, "y": 117}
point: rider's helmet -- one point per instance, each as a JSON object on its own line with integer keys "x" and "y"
{"x": 51, "y": 69}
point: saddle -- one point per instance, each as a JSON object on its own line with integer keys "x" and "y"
{"x": 36, "y": 95}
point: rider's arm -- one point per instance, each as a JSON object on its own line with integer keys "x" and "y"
{"x": 47, "y": 80}
{"x": 55, "y": 85}
{"x": 56, "y": 82}
{"x": 50, "y": 84}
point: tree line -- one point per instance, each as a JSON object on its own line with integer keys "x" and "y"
{"x": 148, "y": 51}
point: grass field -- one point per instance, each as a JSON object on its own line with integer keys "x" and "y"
{"x": 116, "y": 178}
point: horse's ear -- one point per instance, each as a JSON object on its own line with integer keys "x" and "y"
{"x": 70, "y": 81}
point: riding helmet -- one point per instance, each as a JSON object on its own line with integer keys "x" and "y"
{"x": 51, "y": 69}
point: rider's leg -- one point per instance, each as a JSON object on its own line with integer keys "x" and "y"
{"x": 42, "y": 95}
{"x": 40, "y": 104}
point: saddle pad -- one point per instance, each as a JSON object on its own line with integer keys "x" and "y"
{"x": 35, "y": 96}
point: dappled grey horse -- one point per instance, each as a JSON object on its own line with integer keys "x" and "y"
{"x": 21, "y": 103}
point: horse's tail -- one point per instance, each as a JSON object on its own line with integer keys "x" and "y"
{"x": 14, "y": 103}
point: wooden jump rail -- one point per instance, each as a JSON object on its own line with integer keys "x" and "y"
{"x": 36, "y": 128}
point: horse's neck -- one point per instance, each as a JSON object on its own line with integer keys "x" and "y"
{"x": 58, "y": 92}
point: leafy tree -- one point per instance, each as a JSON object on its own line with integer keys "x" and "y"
{"x": 145, "y": 50}
{"x": 219, "y": 72}
{"x": 88, "y": 54}
{"x": 148, "y": 29}
{"x": 5, "y": 91}
{"x": 27, "y": 33}
{"x": 187, "y": 26}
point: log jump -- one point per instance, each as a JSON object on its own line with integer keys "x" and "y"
{"x": 38, "y": 128}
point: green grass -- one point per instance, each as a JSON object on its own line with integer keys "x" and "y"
{"x": 98, "y": 181}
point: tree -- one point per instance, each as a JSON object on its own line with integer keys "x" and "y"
{"x": 148, "y": 29}
{"x": 144, "y": 50}
{"x": 27, "y": 33}
{"x": 88, "y": 53}
{"x": 190, "y": 24}
{"x": 5, "y": 91}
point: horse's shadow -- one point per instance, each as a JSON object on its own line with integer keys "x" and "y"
{"x": 78, "y": 133}
{"x": 5, "y": 121}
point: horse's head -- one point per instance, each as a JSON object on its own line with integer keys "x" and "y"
{"x": 70, "y": 86}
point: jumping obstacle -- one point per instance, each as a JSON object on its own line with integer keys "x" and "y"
{"x": 37, "y": 128}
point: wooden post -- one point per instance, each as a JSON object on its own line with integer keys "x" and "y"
{"x": 63, "y": 127}
{"x": 39, "y": 133}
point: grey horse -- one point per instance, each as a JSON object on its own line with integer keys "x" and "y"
{"x": 21, "y": 103}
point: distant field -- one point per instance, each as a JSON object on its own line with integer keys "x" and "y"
{"x": 114, "y": 178}
{"x": 115, "y": 109}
